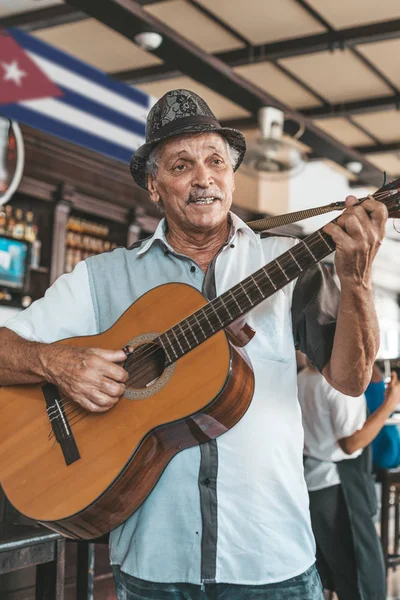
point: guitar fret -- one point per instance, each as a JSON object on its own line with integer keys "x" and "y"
{"x": 234, "y": 298}
{"x": 248, "y": 297}
{"x": 309, "y": 250}
{"x": 218, "y": 317}
{"x": 257, "y": 286}
{"x": 199, "y": 324}
{"x": 270, "y": 280}
{"x": 225, "y": 306}
{"x": 184, "y": 335}
{"x": 281, "y": 268}
{"x": 179, "y": 344}
{"x": 193, "y": 333}
{"x": 295, "y": 260}
{"x": 164, "y": 348}
{"x": 208, "y": 320}
{"x": 325, "y": 240}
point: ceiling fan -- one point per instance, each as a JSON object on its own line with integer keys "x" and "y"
{"x": 271, "y": 156}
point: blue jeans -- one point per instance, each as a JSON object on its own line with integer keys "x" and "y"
{"x": 303, "y": 587}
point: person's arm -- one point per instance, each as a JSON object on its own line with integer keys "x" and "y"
{"x": 364, "y": 436}
{"x": 89, "y": 376}
{"x": 357, "y": 234}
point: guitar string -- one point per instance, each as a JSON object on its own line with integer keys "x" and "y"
{"x": 230, "y": 303}
{"x": 144, "y": 355}
{"x": 147, "y": 353}
{"x": 218, "y": 304}
{"x": 226, "y": 305}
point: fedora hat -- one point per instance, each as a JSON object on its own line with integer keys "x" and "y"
{"x": 176, "y": 113}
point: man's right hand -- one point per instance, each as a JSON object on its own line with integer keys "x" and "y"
{"x": 91, "y": 377}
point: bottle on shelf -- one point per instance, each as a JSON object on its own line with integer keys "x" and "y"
{"x": 2, "y": 221}
{"x": 10, "y": 221}
{"x": 30, "y": 227}
{"x": 19, "y": 226}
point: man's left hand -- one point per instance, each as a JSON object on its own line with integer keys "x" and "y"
{"x": 358, "y": 234}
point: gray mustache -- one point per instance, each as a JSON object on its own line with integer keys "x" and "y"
{"x": 194, "y": 197}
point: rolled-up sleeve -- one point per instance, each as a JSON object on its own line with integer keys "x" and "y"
{"x": 315, "y": 306}
{"x": 66, "y": 310}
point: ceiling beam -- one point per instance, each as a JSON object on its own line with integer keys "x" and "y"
{"x": 43, "y": 18}
{"x": 327, "y": 111}
{"x": 328, "y": 41}
{"x": 380, "y": 149}
{"x": 128, "y": 18}
{"x": 51, "y": 16}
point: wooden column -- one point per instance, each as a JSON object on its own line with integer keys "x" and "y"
{"x": 61, "y": 216}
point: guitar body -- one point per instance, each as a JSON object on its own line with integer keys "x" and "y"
{"x": 122, "y": 452}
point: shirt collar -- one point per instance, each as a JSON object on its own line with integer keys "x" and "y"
{"x": 159, "y": 235}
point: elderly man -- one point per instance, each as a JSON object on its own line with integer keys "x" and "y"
{"x": 228, "y": 518}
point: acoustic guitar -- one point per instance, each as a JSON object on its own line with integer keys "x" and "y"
{"x": 82, "y": 474}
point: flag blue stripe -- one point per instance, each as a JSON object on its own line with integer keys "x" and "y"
{"x": 101, "y": 111}
{"x": 77, "y": 136}
{"x": 59, "y": 57}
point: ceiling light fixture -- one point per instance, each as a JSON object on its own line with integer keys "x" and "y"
{"x": 148, "y": 40}
{"x": 354, "y": 166}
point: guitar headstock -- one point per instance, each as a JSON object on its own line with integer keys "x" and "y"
{"x": 389, "y": 194}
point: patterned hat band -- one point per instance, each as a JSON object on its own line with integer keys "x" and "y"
{"x": 186, "y": 122}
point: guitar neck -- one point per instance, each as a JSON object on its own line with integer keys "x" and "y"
{"x": 241, "y": 298}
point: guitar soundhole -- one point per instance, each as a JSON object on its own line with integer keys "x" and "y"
{"x": 145, "y": 365}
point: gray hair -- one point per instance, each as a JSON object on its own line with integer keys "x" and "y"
{"x": 153, "y": 159}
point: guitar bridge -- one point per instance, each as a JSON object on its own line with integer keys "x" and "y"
{"x": 59, "y": 423}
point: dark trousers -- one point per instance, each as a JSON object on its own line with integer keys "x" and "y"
{"x": 306, "y": 586}
{"x": 336, "y": 560}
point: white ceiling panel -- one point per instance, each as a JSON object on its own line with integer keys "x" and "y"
{"x": 265, "y": 20}
{"x": 221, "y": 107}
{"x": 97, "y": 45}
{"x": 343, "y": 131}
{"x": 338, "y": 76}
{"x": 272, "y": 80}
{"x": 384, "y": 125}
{"x": 345, "y": 13}
{"x": 194, "y": 25}
{"x": 10, "y": 7}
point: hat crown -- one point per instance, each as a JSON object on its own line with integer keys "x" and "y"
{"x": 174, "y": 105}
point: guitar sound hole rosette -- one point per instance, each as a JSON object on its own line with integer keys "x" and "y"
{"x": 159, "y": 383}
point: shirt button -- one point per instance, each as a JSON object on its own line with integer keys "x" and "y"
{"x": 207, "y": 481}
{"x": 232, "y": 245}
{"x": 192, "y": 269}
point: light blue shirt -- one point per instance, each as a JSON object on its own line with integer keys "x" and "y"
{"x": 234, "y": 510}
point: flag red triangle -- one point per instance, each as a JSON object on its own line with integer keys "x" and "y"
{"x": 20, "y": 78}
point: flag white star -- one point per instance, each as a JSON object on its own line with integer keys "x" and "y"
{"x": 13, "y": 73}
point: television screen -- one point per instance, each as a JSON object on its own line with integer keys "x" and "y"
{"x": 13, "y": 262}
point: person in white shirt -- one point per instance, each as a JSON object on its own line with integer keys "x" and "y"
{"x": 337, "y": 469}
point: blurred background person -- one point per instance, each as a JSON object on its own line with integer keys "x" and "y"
{"x": 386, "y": 445}
{"x": 337, "y": 468}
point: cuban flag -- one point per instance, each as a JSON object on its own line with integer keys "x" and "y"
{"x": 50, "y": 90}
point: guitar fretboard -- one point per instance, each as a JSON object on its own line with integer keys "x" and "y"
{"x": 238, "y": 300}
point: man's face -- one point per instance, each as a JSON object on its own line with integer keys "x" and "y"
{"x": 194, "y": 181}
